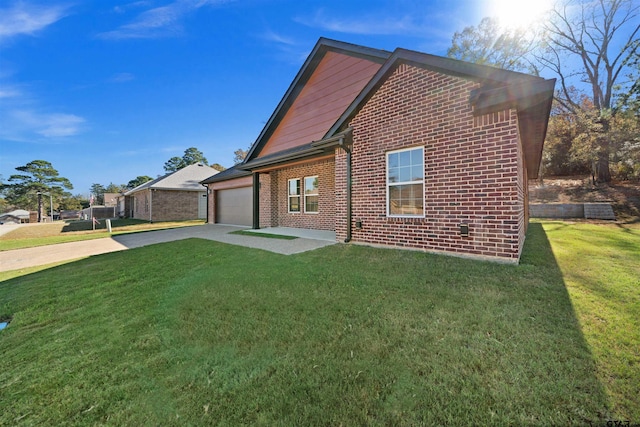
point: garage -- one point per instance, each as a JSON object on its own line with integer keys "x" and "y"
{"x": 235, "y": 206}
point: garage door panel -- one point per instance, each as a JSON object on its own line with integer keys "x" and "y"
{"x": 235, "y": 206}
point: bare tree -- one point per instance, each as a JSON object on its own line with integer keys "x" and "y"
{"x": 239, "y": 155}
{"x": 602, "y": 37}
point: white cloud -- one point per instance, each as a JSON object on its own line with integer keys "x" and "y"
{"x": 125, "y": 7}
{"x": 25, "y": 18}
{"x": 121, "y": 78}
{"x": 9, "y": 92}
{"x": 49, "y": 125}
{"x": 162, "y": 21}
{"x": 278, "y": 38}
{"x": 365, "y": 25}
{"x": 60, "y": 125}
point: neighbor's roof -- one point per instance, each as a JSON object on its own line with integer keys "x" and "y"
{"x": 185, "y": 179}
{"x": 18, "y": 213}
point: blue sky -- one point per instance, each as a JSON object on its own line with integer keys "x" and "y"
{"x": 109, "y": 90}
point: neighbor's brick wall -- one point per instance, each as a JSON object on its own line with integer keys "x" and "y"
{"x": 171, "y": 205}
{"x": 324, "y": 219}
{"x": 140, "y": 204}
{"x": 471, "y": 168}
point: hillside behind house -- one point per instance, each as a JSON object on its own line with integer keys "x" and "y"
{"x": 624, "y": 196}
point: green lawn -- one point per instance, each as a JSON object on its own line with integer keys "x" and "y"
{"x": 198, "y": 332}
{"x": 33, "y": 235}
{"x": 601, "y": 271}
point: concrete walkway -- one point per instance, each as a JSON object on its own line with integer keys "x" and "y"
{"x": 42, "y": 255}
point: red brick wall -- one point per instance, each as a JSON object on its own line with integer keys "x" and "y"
{"x": 277, "y": 194}
{"x": 471, "y": 169}
{"x": 266, "y": 199}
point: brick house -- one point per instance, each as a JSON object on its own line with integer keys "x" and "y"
{"x": 400, "y": 149}
{"x": 172, "y": 197}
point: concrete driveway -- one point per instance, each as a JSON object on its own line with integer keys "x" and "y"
{"x": 42, "y": 255}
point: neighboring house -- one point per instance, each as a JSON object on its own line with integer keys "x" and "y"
{"x": 110, "y": 199}
{"x": 176, "y": 196}
{"x": 19, "y": 216}
{"x": 400, "y": 149}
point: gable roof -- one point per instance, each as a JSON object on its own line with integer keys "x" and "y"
{"x": 322, "y": 48}
{"x": 531, "y": 96}
{"x": 185, "y": 179}
{"x": 18, "y": 213}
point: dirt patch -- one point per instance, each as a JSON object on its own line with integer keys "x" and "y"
{"x": 624, "y": 196}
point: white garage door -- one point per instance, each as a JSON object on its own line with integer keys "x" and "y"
{"x": 235, "y": 206}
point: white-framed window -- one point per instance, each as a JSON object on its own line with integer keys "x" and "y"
{"x": 405, "y": 182}
{"x": 311, "y": 194}
{"x": 294, "y": 195}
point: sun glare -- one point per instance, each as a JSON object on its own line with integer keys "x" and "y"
{"x": 518, "y": 13}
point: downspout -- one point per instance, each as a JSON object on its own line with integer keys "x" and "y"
{"x": 150, "y": 205}
{"x": 347, "y": 150}
{"x": 207, "y": 187}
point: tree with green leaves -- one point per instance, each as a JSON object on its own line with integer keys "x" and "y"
{"x": 115, "y": 188}
{"x": 98, "y": 192}
{"x": 4, "y": 205}
{"x": 218, "y": 167}
{"x": 174, "y": 164}
{"x": 25, "y": 190}
{"x": 70, "y": 202}
{"x": 191, "y": 155}
{"x": 139, "y": 180}
{"x": 490, "y": 44}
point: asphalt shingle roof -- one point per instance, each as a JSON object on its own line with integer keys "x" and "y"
{"x": 186, "y": 179}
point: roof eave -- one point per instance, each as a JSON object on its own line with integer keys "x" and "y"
{"x": 237, "y": 174}
{"x": 314, "y": 149}
{"x": 489, "y": 75}
{"x": 285, "y": 158}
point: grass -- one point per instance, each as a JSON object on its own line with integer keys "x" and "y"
{"x": 267, "y": 235}
{"x": 72, "y": 231}
{"x": 601, "y": 271}
{"x": 198, "y": 332}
